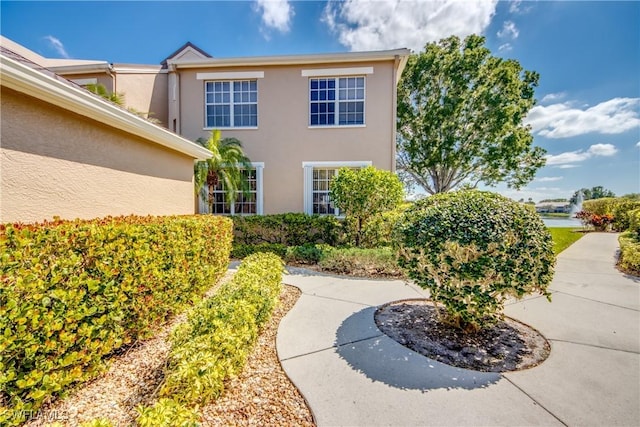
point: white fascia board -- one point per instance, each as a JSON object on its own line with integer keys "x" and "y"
{"x": 351, "y": 71}
{"x": 231, "y": 75}
{"x": 24, "y": 79}
{"x": 325, "y": 58}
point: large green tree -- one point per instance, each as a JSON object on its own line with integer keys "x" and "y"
{"x": 364, "y": 193}
{"x": 460, "y": 118}
{"x": 226, "y": 166}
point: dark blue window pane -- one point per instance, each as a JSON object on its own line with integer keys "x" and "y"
{"x": 314, "y": 108}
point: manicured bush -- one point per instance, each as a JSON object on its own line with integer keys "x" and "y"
{"x": 473, "y": 250}
{"x": 72, "y": 292}
{"x": 167, "y": 413}
{"x": 630, "y": 252}
{"x": 616, "y": 207}
{"x": 306, "y": 254}
{"x": 213, "y": 344}
{"x": 242, "y": 250}
{"x": 634, "y": 222}
{"x": 361, "y": 262}
{"x": 290, "y": 229}
{"x": 378, "y": 230}
{"x": 363, "y": 193}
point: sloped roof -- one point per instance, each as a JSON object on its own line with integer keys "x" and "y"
{"x": 187, "y": 46}
{"x": 26, "y": 76}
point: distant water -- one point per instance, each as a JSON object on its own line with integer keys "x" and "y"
{"x": 562, "y": 222}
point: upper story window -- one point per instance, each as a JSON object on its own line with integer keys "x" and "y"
{"x": 336, "y": 101}
{"x": 231, "y": 103}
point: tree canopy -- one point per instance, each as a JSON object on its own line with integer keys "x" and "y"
{"x": 363, "y": 193}
{"x": 226, "y": 165}
{"x": 460, "y": 118}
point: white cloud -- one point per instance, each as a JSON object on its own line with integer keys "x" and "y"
{"x": 505, "y": 47}
{"x": 509, "y": 31}
{"x": 276, "y": 14}
{"x": 596, "y": 150}
{"x": 57, "y": 45}
{"x": 549, "y": 179}
{"x": 638, "y": 144}
{"x": 551, "y": 97}
{"x": 614, "y": 116}
{"x": 516, "y": 7}
{"x": 567, "y": 166}
{"x": 387, "y": 24}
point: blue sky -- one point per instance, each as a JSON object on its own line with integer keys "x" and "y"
{"x": 587, "y": 54}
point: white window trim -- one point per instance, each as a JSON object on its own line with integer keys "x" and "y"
{"x": 331, "y": 72}
{"x": 231, "y": 75}
{"x": 231, "y": 104}
{"x": 308, "y": 177}
{"x": 337, "y": 112}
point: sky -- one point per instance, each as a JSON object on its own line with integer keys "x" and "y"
{"x": 587, "y": 114}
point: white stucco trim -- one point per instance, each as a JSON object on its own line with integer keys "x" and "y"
{"x": 322, "y": 72}
{"x": 308, "y": 177}
{"x": 31, "y": 82}
{"x": 231, "y": 75}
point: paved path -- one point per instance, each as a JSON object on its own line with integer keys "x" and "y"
{"x": 352, "y": 374}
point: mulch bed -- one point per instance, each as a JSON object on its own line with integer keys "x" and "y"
{"x": 506, "y": 346}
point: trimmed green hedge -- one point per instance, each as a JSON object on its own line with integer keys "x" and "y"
{"x": 630, "y": 252}
{"x": 215, "y": 341}
{"x": 72, "y": 292}
{"x": 290, "y": 229}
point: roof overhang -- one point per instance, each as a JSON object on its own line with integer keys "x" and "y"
{"x": 29, "y": 81}
{"x": 336, "y": 58}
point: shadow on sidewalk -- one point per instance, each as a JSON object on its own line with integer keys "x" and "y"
{"x": 382, "y": 359}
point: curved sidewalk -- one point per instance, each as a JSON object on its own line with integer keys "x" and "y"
{"x": 352, "y": 374}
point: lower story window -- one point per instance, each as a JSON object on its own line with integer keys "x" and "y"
{"x": 246, "y": 203}
{"x": 317, "y": 182}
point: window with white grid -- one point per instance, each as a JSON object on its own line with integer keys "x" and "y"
{"x": 231, "y": 103}
{"x": 336, "y": 101}
{"x": 317, "y": 184}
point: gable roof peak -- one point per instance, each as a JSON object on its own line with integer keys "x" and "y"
{"x": 188, "y": 50}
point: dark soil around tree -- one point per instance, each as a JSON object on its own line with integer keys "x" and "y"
{"x": 507, "y": 346}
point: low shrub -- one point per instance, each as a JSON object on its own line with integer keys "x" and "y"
{"x": 167, "y": 413}
{"x": 290, "y": 229}
{"x": 242, "y": 250}
{"x": 306, "y": 254}
{"x": 378, "y": 231}
{"x": 362, "y": 262}
{"x": 72, "y": 292}
{"x": 629, "y": 252}
{"x": 617, "y": 208}
{"x": 213, "y": 344}
{"x": 473, "y": 250}
{"x": 634, "y": 222}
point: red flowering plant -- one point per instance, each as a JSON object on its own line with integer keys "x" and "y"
{"x": 599, "y": 222}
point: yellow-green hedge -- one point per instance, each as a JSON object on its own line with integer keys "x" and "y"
{"x": 630, "y": 252}
{"x": 72, "y": 292}
{"x": 215, "y": 341}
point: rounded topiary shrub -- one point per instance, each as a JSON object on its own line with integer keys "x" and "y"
{"x": 473, "y": 250}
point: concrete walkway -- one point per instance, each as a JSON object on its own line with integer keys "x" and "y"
{"x": 352, "y": 374}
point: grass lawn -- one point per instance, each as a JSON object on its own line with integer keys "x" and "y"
{"x": 563, "y": 237}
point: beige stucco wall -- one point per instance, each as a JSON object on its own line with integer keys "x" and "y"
{"x": 284, "y": 139}
{"x": 56, "y": 163}
{"x": 146, "y": 92}
{"x": 104, "y": 79}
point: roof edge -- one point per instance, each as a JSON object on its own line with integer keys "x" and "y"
{"x": 22, "y": 78}
{"x": 382, "y": 55}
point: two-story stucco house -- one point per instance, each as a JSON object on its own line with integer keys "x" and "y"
{"x": 300, "y": 117}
